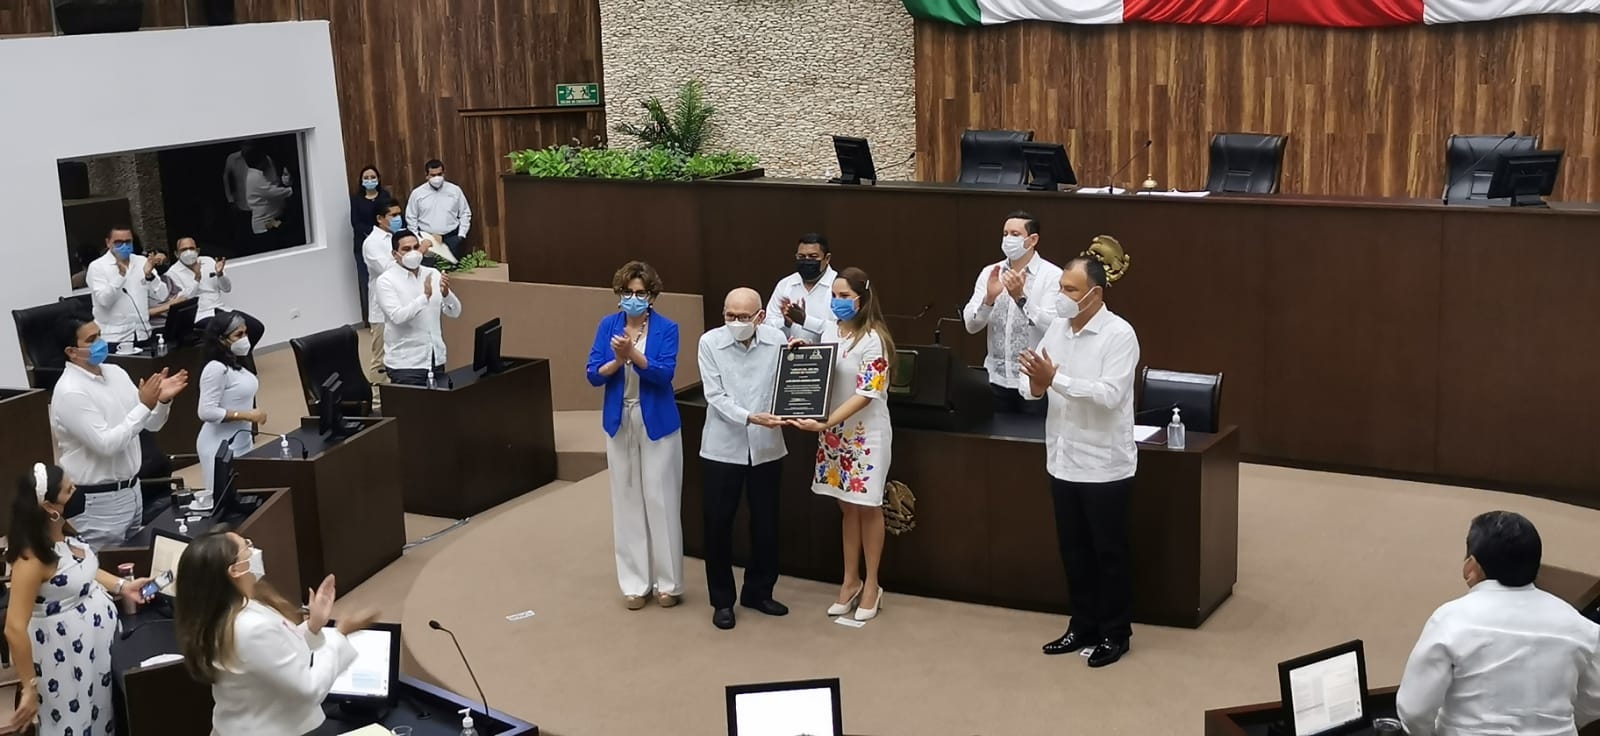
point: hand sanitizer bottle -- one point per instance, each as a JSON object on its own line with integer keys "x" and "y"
{"x": 161, "y": 345}
{"x": 433, "y": 382}
{"x": 466, "y": 723}
{"x": 1175, "y": 431}
{"x": 283, "y": 445}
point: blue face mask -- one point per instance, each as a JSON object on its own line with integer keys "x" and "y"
{"x": 98, "y": 351}
{"x": 634, "y": 305}
{"x": 844, "y": 309}
{"x": 124, "y": 251}
{"x": 369, "y": 184}
{"x": 396, "y": 224}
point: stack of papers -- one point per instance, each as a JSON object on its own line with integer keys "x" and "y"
{"x": 1174, "y": 193}
{"x": 372, "y": 730}
{"x": 1100, "y": 190}
{"x": 1142, "y": 433}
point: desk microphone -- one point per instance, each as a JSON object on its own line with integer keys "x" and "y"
{"x": 1111, "y": 186}
{"x": 1445, "y": 198}
{"x": 913, "y": 317}
{"x": 1157, "y": 409}
{"x": 143, "y": 313}
{"x": 938, "y": 331}
{"x": 893, "y": 166}
{"x": 434, "y": 624}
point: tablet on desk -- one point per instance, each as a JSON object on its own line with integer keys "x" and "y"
{"x": 800, "y": 708}
{"x": 1325, "y": 693}
{"x": 375, "y": 675}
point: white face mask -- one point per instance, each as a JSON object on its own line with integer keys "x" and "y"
{"x": 189, "y": 257}
{"x": 240, "y": 347}
{"x": 257, "y": 563}
{"x": 411, "y": 259}
{"x": 1013, "y": 247}
{"x": 1066, "y": 308}
{"x": 742, "y": 330}
{"x": 435, "y": 181}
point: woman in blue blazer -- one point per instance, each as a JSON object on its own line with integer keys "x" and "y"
{"x": 634, "y": 355}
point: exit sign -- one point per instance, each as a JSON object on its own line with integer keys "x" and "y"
{"x": 571, "y": 95}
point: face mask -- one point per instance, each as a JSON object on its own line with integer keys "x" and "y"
{"x": 808, "y": 269}
{"x": 1013, "y": 247}
{"x": 189, "y": 257}
{"x": 98, "y": 352}
{"x": 435, "y": 181}
{"x": 1066, "y": 308}
{"x": 411, "y": 259}
{"x": 634, "y": 305}
{"x": 124, "y": 251}
{"x": 369, "y": 184}
{"x": 258, "y": 565}
{"x": 742, "y": 330}
{"x": 396, "y": 223}
{"x": 844, "y": 309}
{"x": 241, "y": 346}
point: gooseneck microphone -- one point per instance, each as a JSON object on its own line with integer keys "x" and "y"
{"x": 142, "y": 312}
{"x": 1111, "y": 185}
{"x": 1445, "y": 197}
{"x": 434, "y": 624}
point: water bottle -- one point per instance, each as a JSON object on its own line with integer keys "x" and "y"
{"x": 1175, "y": 431}
{"x": 125, "y": 570}
{"x": 161, "y": 344}
{"x": 283, "y": 446}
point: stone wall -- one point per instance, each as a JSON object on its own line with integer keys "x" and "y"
{"x": 784, "y": 75}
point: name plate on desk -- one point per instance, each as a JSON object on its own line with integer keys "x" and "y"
{"x": 802, "y": 384}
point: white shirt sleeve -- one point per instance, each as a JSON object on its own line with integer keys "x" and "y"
{"x": 1425, "y": 682}
{"x": 774, "y": 313}
{"x": 378, "y": 257}
{"x": 463, "y": 214}
{"x": 1586, "y": 707}
{"x": 80, "y": 417}
{"x": 976, "y": 313}
{"x": 716, "y": 393}
{"x": 450, "y": 305}
{"x": 872, "y": 375}
{"x": 394, "y": 310}
{"x": 224, "y": 284}
{"x": 157, "y": 290}
{"x": 414, "y": 211}
{"x": 261, "y": 651}
{"x": 105, "y": 285}
{"x": 1115, "y": 379}
{"x": 212, "y": 381}
{"x": 184, "y": 280}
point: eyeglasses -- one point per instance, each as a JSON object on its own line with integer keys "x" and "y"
{"x": 642, "y": 294}
{"x": 734, "y": 317}
{"x": 248, "y": 545}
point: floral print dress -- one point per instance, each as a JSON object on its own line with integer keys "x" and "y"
{"x": 853, "y": 458}
{"x": 73, "y": 623}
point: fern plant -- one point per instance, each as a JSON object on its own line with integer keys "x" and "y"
{"x": 683, "y": 129}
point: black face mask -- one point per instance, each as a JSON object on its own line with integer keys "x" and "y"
{"x": 808, "y": 269}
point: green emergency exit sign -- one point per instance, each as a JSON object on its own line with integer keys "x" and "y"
{"x": 572, "y": 95}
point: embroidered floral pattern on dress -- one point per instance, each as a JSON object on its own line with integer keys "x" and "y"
{"x": 844, "y": 461}
{"x": 874, "y": 376}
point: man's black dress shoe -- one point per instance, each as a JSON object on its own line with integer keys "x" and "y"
{"x": 1108, "y": 651}
{"x": 722, "y": 618}
{"x": 1069, "y": 642}
{"x": 769, "y": 607}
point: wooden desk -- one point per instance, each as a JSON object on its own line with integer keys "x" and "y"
{"x": 25, "y": 415}
{"x": 347, "y": 513}
{"x": 985, "y": 524}
{"x": 183, "y": 421}
{"x": 1365, "y": 335}
{"x": 477, "y": 441}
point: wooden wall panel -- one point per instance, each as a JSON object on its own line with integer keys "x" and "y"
{"x": 25, "y": 17}
{"x": 505, "y": 48}
{"x": 1368, "y": 111}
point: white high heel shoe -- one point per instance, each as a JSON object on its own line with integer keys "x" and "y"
{"x": 840, "y": 609}
{"x": 867, "y": 614}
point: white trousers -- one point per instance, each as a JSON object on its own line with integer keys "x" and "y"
{"x": 646, "y": 493}
{"x": 109, "y": 518}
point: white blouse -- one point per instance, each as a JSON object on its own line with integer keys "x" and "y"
{"x": 279, "y": 675}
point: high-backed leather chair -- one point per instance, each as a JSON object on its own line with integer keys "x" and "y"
{"x": 1469, "y": 167}
{"x": 1198, "y": 397}
{"x": 1246, "y": 163}
{"x": 328, "y": 352}
{"x": 36, "y": 332}
{"x": 994, "y": 157}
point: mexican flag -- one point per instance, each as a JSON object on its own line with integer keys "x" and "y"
{"x": 1339, "y": 13}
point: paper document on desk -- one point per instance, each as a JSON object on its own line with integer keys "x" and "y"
{"x": 1142, "y": 433}
{"x": 1174, "y": 193}
{"x": 372, "y": 730}
{"x": 1100, "y": 190}
{"x": 161, "y": 659}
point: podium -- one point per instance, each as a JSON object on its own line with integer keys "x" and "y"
{"x": 270, "y": 526}
{"x": 183, "y": 421}
{"x": 347, "y": 514}
{"x": 475, "y": 441}
{"x": 25, "y": 414}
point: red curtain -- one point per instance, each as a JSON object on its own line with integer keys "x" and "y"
{"x": 1219, "y": 12}
{"x": 1346, "y": 13}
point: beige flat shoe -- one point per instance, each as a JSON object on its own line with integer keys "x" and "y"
{"x": 668, "y": 600}
{"x": 634, "y": 602}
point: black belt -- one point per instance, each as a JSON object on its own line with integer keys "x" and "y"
{"x": 108, "y": 487}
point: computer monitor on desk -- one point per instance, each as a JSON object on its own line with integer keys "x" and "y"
{"x": 331, "y": 423}
{"x": 486, "y": 347}
{"x": 929, "y": 388}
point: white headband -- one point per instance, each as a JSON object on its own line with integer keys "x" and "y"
{"x": 41, "y": 480}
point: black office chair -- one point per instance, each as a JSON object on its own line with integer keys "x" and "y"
{"x": 1469, "y": 167}
{"x": 1198, "y": 397}
{"x": 36, "y": 332}
{"x": 994, "y": 157}
{"x": 1246, "y": 163}
{"x": 328, "y": 352}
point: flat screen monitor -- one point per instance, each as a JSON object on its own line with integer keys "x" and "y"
{"x": 166, "y": 549}
{"x": 1526, "y": 178}
{"x": 1325, "y": 693}
{"x": 224, "y": 482}
{"x": 179, "y": 329}
{"x": 486, "y": 347}
{"x": 855, "y": 160}
{"x": 799, "y": 708}
{"x": 1048, "y": 166}
{"x": 373, "y": 678}
{"x": 330, "y": 413}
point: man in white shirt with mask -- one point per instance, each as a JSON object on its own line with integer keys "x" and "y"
{"x": 200, "y": 277}
{"x": 1012, "y": 299}
{"x": 1085, "y": 365}
{"x": 1506, "y": 658}
{"x": 742, "y": 453}
{"x": 122, "y": 286}
{"x": 802, "y": 302}
{"x": 439, "y": 208}
{"x": 412, "y": 297}
{"x": 97, "y": 413}
{"x": 378, "y": 253}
